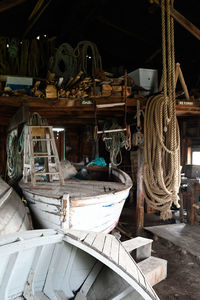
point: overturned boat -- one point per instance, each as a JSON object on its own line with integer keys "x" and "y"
{"x": 14, "y": 216}
{"x": 79, "y": 265}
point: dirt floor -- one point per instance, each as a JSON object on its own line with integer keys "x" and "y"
{"x": 183, "y": 270}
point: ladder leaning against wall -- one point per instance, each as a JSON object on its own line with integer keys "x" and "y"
{"x": 40, "y": 144}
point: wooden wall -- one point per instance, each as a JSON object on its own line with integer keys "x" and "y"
{"x": 3, "y": 132}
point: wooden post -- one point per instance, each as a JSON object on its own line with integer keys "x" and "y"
{"x": 140, "y": 196}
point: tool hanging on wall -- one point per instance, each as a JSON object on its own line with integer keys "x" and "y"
{"x": 161, "y": 132}
{"x": 115, "y": 137}
{"x": 138, "y": 137}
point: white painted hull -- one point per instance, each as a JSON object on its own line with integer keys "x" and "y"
{"x": 98, "y": 213}
{"x": 14, "y": 216}
{"x": 79, "y": 265}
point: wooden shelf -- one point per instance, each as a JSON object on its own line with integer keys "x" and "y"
{"x": 66, "y": 111}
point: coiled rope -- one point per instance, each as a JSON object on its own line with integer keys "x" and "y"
{"x": 114, "y": 141}
{"x": 83, "y": 50}
{"x": 161, "y": 133}
{"x": 64, "y": 63}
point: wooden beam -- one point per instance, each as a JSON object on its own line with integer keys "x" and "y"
{"x": 185, "y": 23}
{"x": 181, "y": 20}
{"x": 140, "y": 195}
{"x": 8, "y": 4}
{"x": 21, "y": 116}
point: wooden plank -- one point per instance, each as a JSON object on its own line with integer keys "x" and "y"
{"x": 182, "y": 21}
{"x": 146, "y": 292}
{"x": 90, "y": 238}
{"x": 21, "y": 116}
{"x": 154, "y": 269}
{"x": 185, "y": 23}
{"x": 89, "y": 282}
{"x": 8, "y": 4}
{"x": 182, "y": 235}
{"x": 140, "y": 195}
{"x": 78, "y": 235}
{"x": 114, "y": 253}
{"x": 107, "y": 245}
{"x": 8, "y": 275}
{"x": 143, "y": 246}
{"x": 38, "y": 131}
{"x": 98, "y": 243}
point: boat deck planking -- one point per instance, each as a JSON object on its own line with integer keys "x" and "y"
{"x": 75, "y": 188}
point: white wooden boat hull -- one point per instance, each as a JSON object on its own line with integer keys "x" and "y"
{"x": 47, "y": 264}
{"x": 13, "y": 213}
{"x": 98, "y": 213}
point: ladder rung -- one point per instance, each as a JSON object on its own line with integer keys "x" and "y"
{"x": 111, "y": 130}
{"x": 36, "y": 153}
{"x": 36, "y": 156}
{"x": 47, "y": 173}
{"x": 39, "y": 126}
{"x": 41, "y": 140}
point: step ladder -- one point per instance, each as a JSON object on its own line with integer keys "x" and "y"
{"x": 40, "y": 144}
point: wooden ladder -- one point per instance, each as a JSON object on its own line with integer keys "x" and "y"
{"x": 42, "y": 137}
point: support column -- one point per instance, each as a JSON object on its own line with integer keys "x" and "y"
{"x": 140, "y": 196}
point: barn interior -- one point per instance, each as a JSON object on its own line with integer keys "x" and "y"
{"x": 118, "y": 87}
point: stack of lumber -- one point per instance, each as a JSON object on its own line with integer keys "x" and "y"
{"x": 104, "y": 84}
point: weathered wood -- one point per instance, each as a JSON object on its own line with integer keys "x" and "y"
{"x": 154, "y": 269}
{"x": 182, "y": 21}
{"x": 94, "y": 205}
{"x": 8, "y": 4}
{"x": 140, "y": 196}
{"x": 141, "y": 245}
{"x": 41, "y": 264}
{"x": 13, "y": 213}
{"x": 21, "y": 116}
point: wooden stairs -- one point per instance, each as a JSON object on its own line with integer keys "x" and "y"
{"x": 154, "y": 268}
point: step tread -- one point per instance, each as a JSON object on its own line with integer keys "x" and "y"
{"x": 154, "y": 269}
{"x": 136, "y": 242}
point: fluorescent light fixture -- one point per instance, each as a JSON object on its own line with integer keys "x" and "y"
{"x": 58, "y": 129}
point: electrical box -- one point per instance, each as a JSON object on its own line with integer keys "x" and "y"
{"x": 147, "y": 79}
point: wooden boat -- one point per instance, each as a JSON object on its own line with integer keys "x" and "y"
{"x": 13, "y": 213}
{"x": 48, "y": 264}
{"x": 93, "y": 205}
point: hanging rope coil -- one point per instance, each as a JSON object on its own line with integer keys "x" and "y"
{"x": 114, "y": 141}
{"x": 14, "y": 148}
{"x": 83, "y": 51}
{"x": 64, "y": 63}
{"x": 161, "y": 133}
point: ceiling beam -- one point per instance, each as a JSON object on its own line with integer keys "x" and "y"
{"x": 184, "y": 22}
{"x": 7, "y": 4}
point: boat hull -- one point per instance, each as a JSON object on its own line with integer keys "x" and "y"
{"x": 79, "y": 265}
{"x": 98, "y": 212}
{"x": 14, "y": 216}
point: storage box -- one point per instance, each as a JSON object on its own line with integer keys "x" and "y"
{"x": 192, "y": 171}
{"x": 19, "y": 83}
{"x": 147, "y": 79}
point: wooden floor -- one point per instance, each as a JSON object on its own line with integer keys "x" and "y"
{"x": 185, "y": 236}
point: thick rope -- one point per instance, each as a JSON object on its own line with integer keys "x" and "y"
{"x": 114, "y": 141}
{"x": 65, "y": 62}
{"x": 82, "y": 51}
{"x": 161, "y": 133}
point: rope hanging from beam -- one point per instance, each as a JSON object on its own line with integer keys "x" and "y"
{"x": 161, "y": 132}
